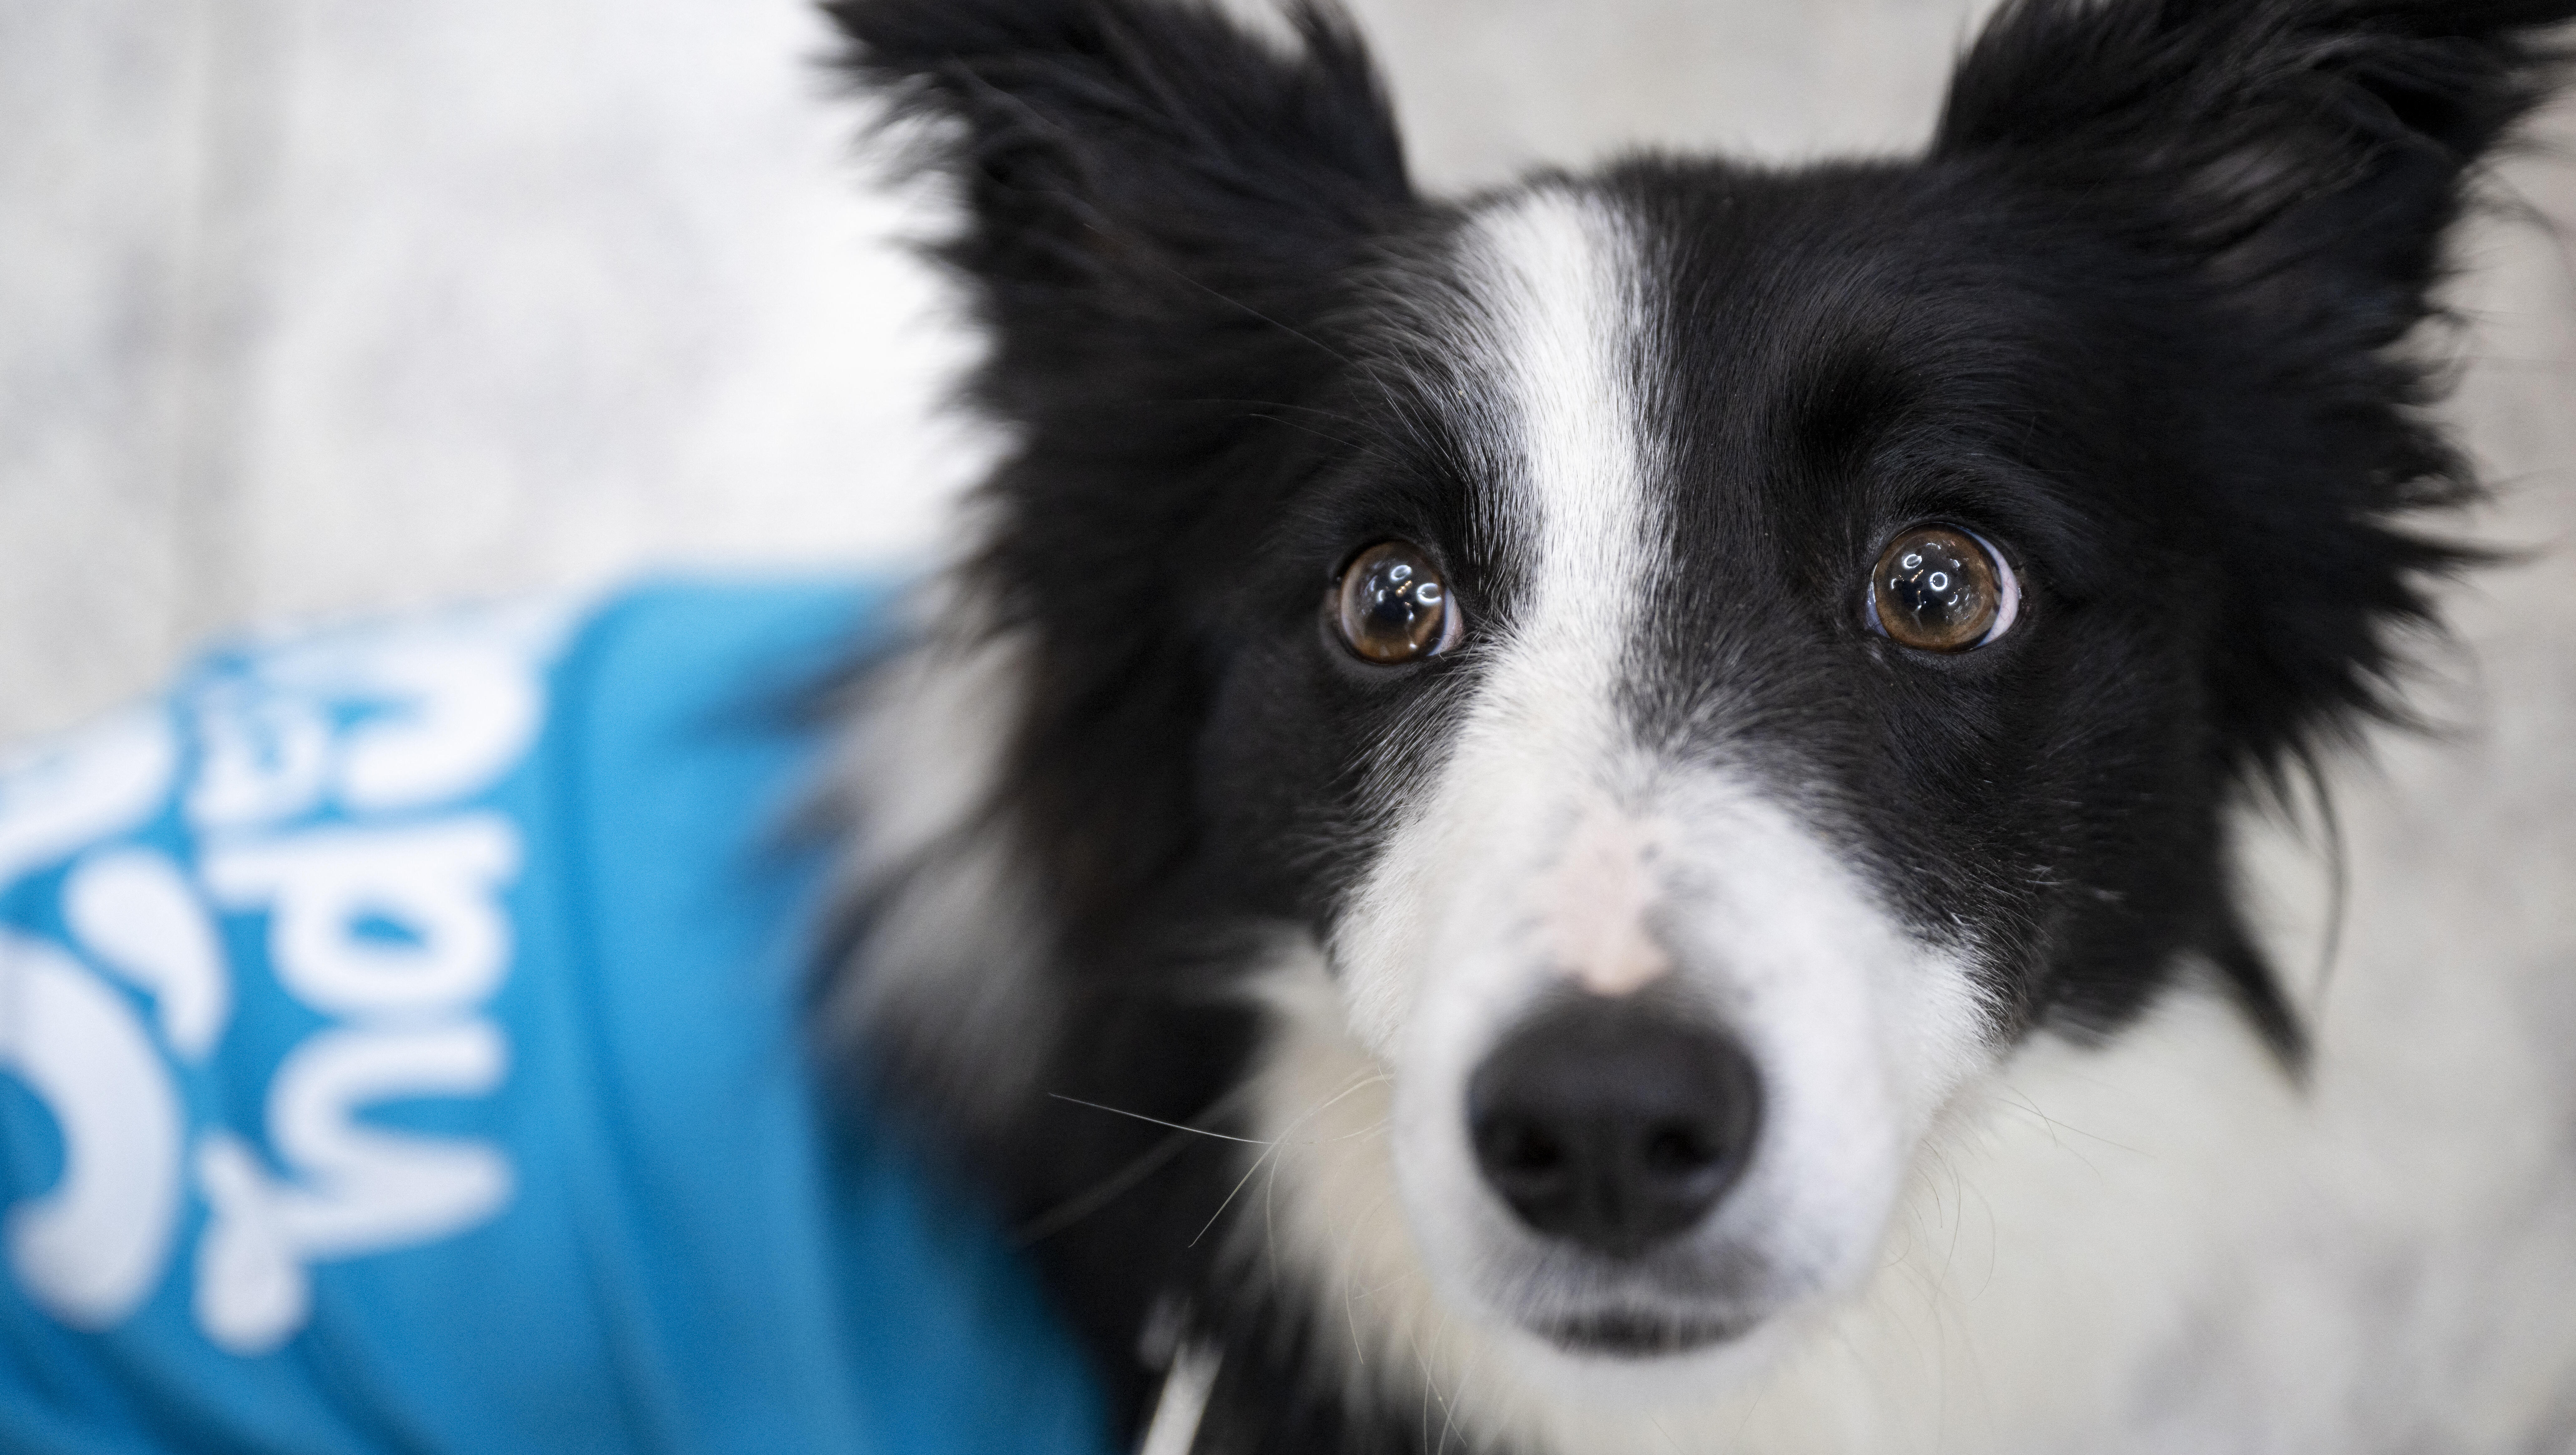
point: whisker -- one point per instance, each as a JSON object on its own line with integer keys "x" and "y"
{"x": 1158, "y": 1121}
{"x": 1247, "y": 1176}
{"x": 1269, "y": 1147}
{"x": 1476, "y": 1369}
{"x": 1108, "y": 1190}
{"x": 1298, "y": 334}
{"x": 1430, "y": 1388}
{"x": 2056, "y": 1126}
{"x": 1334, "y": 415}
{"x": 1308, "y": 429}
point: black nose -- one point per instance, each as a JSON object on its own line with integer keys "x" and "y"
{"x": 1613, "y": 1123}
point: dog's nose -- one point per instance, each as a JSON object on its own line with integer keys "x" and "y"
{"x": 1613, "y": 1123}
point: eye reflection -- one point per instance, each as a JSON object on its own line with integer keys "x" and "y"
{"x": 1939, "y": 589}
{"x": 1392, "y": 607}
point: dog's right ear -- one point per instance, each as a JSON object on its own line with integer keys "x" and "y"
{"x": 1151, "y": 191}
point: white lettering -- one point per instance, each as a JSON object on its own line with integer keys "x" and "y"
{"x": 89, "y": 1250}
{"x": 262, "y": 757}
{"x": 375, "y": 1188}
{"x": 399, "y": 931}
{"x": 368, "y": 921}
{"x": 454, "y": 710}
{"x": 137, "y": 917}
{"x": 361, "y": 1189}
{"x": 252, "y": 1291}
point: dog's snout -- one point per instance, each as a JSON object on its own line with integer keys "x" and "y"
{"x": 1613, "y": 1123}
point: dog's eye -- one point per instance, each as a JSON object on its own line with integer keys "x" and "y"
{"x": 1392, "y": 606}
{"x": 1942, "y": 589}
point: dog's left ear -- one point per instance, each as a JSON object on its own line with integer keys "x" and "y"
{"x": 2283, "y": 171}
{"x": 1155, "y": 198}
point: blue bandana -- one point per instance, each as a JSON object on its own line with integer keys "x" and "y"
{"x": 400, "y": 1050}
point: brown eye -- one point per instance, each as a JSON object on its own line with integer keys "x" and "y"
{"x": 1392, "y": 606}
{"x": 1941, "y": 589}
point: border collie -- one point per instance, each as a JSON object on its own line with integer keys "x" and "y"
{"x": 1601, "y": 818}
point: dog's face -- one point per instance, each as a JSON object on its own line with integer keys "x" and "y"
{"x": 1705, "y": 658}
{"x": 1682, "y": 721}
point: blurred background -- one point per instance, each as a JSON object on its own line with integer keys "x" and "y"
{"x": 312, "y": 307}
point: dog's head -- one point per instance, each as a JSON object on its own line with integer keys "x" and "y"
{"x": 1708, "y": 657}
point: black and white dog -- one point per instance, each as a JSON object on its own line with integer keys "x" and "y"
{"x": 1598, "y": 819}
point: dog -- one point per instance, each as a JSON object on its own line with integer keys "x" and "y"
{"x": 1606, "y": 817}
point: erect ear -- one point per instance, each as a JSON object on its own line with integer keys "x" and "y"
{"x": 1153, "y": 194}
{"x": 2311, "y": 151}
{"x": 2292, "y": 165}
{"x": 1162, "y": 210}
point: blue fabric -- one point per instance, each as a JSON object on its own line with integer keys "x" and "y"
{"x": 400, "y": 1051}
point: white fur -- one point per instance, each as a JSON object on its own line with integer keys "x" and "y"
{"x": 2158, "y": 1245}
{"x": 956, "y": 945}
{"x": 1177, "y": 1411}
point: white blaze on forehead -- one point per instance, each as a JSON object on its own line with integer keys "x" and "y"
{"x": 1559, "y": 279}
{"x": 1545, "y": 349}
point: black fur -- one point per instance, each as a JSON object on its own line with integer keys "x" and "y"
{"x": 2138, "y": 313}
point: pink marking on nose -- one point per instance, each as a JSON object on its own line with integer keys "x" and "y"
{"x": 1597, "y": 896}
